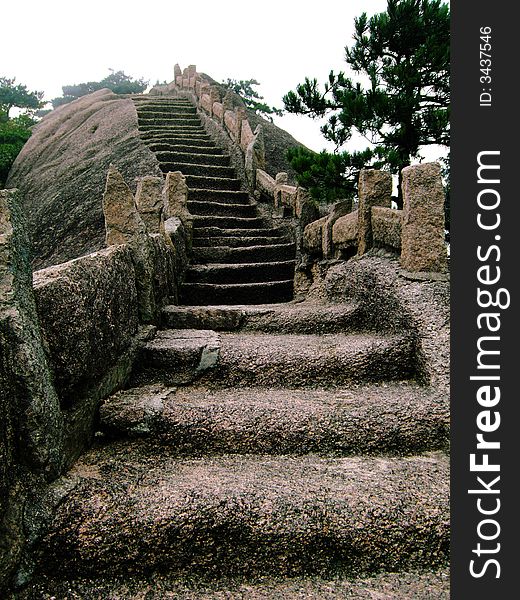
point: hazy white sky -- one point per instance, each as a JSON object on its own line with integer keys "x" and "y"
{"x": 49, "y": 44}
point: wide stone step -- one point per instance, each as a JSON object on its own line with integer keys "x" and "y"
{"x": 206, "y": 232}
{"x": 392, "y": 418}
{"x": 165, "y": 154}
{"x": 289, "y": 360}
{"x": 202, "y": 169}
{"x": 214, "y": 208}
{"x": 241, "y": 273}
{"x": 162, "y": 99}
{"x": 227, "y": 222}
{"x": 212, "y": 183}
{"x": 129, "y": 509}
{"x": 266, "y": 292}
{"x": 300, "y": 317}
{"x": 236, "y": 241}
{"x": 414, "y": 585}
{"x": 220, "y": 196}
{"x": 225, "y": 254}
{"x": 188, "y": 152}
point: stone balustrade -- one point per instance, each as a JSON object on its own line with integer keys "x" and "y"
{"x": 230, "y": 116}
{"x": 416, "y": 232}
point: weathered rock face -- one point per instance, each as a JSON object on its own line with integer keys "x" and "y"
{"x": 88, "y": 313}
{"x": 61, "y": 173}
{"x": 276, "y": 142}
{"x": 389, "y": 300}
{"x": 30, "y": 418}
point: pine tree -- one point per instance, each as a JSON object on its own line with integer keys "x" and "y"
{"x": 15, "y": 131}
{"x": 402, "y": 101}
{"x": 117, "y": 81}
{"x": 251, "y": 98}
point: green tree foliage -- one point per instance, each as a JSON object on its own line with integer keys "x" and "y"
{"x": 402, "y": 101}
{"x": 328, "y": 177}
{"x": 17, "y": 95}
{"x": 252, "y": 99}
{"x": 117, "y": 81}
{"x": 15, "y": 131}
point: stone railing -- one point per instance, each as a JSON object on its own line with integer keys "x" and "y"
{"x": 228, "y": 111}
{"x": 416, "y": 232}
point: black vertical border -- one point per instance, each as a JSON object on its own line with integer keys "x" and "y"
{"x": 475, "y": 129}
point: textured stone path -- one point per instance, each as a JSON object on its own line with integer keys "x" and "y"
{"x": 260, "y": 450}
{"x": 236, "y": 258}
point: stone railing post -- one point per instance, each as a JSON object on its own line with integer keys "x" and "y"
{"x": 255, "y": 156}
{"x": 177, "y": 73}
{"x": 176, "y": 201}
{"x": 214, "y": 96}
{"x": 149, "y": 201}
{"x": 375, "y": 189}
{"x": 124, "y": 225}
{"x": 339, "y": 209}
{"x": 422, "y": 238}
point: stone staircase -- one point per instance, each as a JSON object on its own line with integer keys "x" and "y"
{"x": 236, "y": 258}
{"x": 260, "y": 451}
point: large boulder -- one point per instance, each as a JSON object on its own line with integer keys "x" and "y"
{"x": 61, "y": 173}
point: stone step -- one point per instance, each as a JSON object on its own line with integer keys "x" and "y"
{"x": 164, "y": 154}
{"x": 267, "y": 360}
{"x": 207, "y": 232}
{"x": 162, "y": 103}
{"x": 241, "y": 273}
{"x": 159, "y": 99}
{"x": 167, "y": 133}
{"x": 182, "y": 152}
{"x": 193, "y": 139}
{"x": 212, "y": 183}
{"x": 161, "y": 120}
{"x": 129, "y": 508}
{"x": 201, "y": 170}
{"x": 236, "y": 241}
{"x": 172, "y": 129}
{"x": 390, "y": 418}
{"x": 167, "y": 111}
{"x": 214, "y": 208}
{"x": 225, "y": 254}
{"x": 300, "y": 317}
{"x": 226, "y": 222}
{"x": 267, "y": 292}
{"x": 220, "y": 196}
{"x": 200, "y": 144}
{"x": 413, "y": 585}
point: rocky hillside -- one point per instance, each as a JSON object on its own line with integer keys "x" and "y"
{"x": 61, "y": 171}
